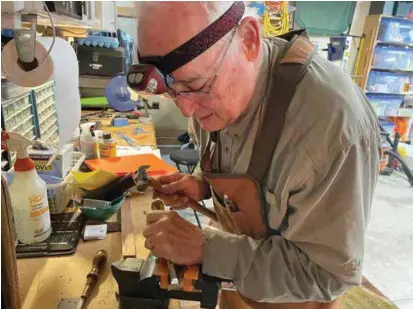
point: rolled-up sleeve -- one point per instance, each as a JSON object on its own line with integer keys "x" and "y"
{"x": 319, "y": 252}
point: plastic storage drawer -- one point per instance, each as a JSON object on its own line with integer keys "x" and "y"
{"x": 396, "y": 30}
{"x": 385, "y": 82}
{"x": 393, "y": 58}
{"x": 18, "y": 116}
{"x": 385, "y": 105}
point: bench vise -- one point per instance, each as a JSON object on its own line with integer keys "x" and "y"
{"x": 145, "y": 284}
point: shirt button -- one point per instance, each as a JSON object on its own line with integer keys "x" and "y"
{"x": 236, "y": 136}
{"x": 226, "y": 149}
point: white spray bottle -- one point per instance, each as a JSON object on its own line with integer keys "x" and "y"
{"x": 89, "y": 143}
{"x": 28, "y": 193}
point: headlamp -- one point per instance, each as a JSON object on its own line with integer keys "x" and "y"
{"x": 153, "y": 74}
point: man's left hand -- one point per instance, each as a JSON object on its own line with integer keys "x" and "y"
{"x": 170, "y": 236}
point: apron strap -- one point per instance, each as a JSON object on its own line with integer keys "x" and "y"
{"x": 290, "y": 69}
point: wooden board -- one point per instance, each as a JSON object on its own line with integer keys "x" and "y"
{"x": 128, "y": 235}
{"x": 45, "y": 281}
{"x": 370, "y": 31}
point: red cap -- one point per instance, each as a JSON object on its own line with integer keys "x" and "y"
{"x": 23, "y": 165}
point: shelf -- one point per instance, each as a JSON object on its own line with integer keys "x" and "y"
{"x": 386, "y": 93}
{"x": 399, "y": 44}
{"x": 392, "y": 70}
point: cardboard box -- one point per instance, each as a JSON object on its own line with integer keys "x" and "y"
{"x": 59, "y": 168}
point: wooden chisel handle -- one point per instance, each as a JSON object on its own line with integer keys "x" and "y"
{"x": 92, "y": 277}
{"x": 192, "y": 204}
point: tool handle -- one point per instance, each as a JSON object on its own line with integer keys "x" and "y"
{"x": 92, "y": 277}
{"x": 203, "y": 210}
{"x": 192, "y": 204}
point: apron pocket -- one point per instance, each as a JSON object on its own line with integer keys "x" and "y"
{"x": 240, "y": 222}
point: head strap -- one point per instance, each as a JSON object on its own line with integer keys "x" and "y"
{"x": 199, "y": 43}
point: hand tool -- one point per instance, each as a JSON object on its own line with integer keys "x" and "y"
{"x": 159, "y": 205}
{"x": 91, "y": 279}
{"x": 144, "y": 284}
{"x": 127, "y": 139}
{"x": 143, "y": 181}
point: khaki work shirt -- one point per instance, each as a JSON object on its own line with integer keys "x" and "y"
{"x": 324, "y": 172}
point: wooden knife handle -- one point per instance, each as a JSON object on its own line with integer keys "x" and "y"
{"x": 99, "y": 262}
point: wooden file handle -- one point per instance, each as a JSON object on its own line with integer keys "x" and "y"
{"x": 92, "y": 277}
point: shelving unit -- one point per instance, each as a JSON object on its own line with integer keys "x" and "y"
{"x": 386, "y": 69}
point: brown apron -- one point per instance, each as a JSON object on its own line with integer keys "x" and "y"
{"x": 239, "y": 201}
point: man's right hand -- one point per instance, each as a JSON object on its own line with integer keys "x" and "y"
{"x": 178, "y": 188}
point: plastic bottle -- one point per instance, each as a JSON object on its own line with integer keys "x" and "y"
{"x": 28, "y": 193}
{"x": 75, "y": 140}
{"x": 107, "y": 148}
{"x": 88, "y": 143}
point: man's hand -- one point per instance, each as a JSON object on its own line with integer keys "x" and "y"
{"x": 178, "y": 188}
{"x": 171, "y": 237}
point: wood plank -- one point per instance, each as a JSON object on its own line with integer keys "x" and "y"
{"x": 141, "y": 206}
{"x": 370, "y": 31}
{"x": 128, "y": 234}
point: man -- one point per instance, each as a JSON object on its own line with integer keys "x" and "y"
{"x": 290, "y": 155}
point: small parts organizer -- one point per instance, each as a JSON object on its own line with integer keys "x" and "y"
{"x": 32, "y": 114}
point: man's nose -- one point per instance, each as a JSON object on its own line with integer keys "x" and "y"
{"x": 187, "y": 107}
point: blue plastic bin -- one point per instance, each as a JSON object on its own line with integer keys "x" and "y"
{"x": 385, "y": 105}
{"x": 394, "y": 58}
{"x": 387, "y": 126}
{"x": 396, "y": 30}
{"x": 387, "y": 82}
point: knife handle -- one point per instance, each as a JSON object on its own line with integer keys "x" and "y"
{"x": 92, "y": 277}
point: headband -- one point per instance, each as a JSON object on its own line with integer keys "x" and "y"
{"x": 199, "y": 43}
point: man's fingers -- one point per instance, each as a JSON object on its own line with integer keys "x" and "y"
{"x": 174, "y": 187}
{"x": 169, "y": 178}
{"x": 176, "y": 201}
{"x": 155, "y": 216}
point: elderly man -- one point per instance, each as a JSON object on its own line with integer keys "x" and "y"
{"x": 290, "y": 155}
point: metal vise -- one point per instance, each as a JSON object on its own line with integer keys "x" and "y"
{"x": 143, "y": 284}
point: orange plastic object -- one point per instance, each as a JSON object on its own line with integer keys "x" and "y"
{"x": 191, "y": 274}
{"x": 162, "y": 273}
{"x": 128, "y": 164}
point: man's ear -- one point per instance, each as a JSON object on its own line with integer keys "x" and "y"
{"x": 250, "y": 38}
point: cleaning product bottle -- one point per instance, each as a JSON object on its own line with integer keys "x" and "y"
{"x": 75, "y": 139}
{"x": 107, "y": 148}
{"x": 88, "y": 142}
{"x": 28, "y": 193}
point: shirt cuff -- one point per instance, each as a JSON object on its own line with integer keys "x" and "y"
{"x": 220, "y": 253}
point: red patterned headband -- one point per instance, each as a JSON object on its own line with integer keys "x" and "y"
{"x": 199, "y": 43}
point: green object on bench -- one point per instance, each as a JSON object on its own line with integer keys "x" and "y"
{"x": 361, "y": 298}
{"x": 94, "y": 102}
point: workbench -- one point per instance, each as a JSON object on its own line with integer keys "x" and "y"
{"x": 144, "y": 124}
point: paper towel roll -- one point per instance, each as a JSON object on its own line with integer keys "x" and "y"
{"x": 61, "y": 66}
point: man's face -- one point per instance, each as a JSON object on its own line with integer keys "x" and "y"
{"x": 232, "y": 88}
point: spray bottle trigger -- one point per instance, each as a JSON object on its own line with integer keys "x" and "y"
{"x": 4, "y": 138}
